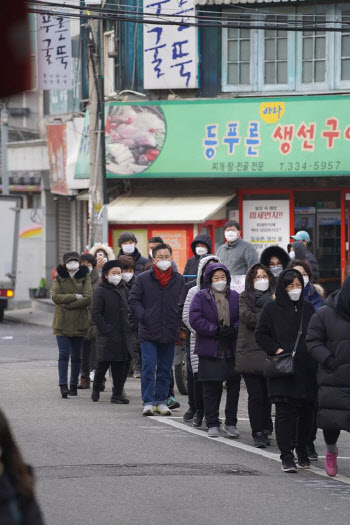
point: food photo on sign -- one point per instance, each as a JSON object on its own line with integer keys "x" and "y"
{"x": 134, "y": 138}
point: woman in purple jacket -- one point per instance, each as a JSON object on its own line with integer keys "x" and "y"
{"x": 214, "y": 317}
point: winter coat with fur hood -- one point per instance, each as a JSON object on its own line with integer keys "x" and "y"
{"x": 186, "y": 309}
{"x": 250, "y": 358}
{"x": 278, "y": 327}
{"x": 71, "y": 316}
{"x": 101, "y": 246}
{"x": 203, "y": 315}
{"x": 192, "y": 264}
{"x": 275, "y": 251}
{"x": 328, "y": 339}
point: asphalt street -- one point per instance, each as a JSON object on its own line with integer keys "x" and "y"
{"x": 99, "y": 463}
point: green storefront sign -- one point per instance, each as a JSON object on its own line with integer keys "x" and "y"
{"x": 305, "y": 136}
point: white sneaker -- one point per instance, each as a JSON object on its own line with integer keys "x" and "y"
{"x": 231, "y": 431}
{"x": 92, "y": 375}
{"x": 162, "y": 409}
{"x": 148, "y": 410}
{"x": 214, "y": 432}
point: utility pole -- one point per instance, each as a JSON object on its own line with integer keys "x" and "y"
{"x": 98, "y": 213}
{"x": 4, "y": 141}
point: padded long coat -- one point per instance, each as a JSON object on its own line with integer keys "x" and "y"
{"x": 329, "y": 335}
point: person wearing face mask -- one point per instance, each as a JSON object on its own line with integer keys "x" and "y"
{"x": 128, "y": 276}
{"x": 201, "y": 245}
{"x": 152, "y": 243}
{"x": 298, "y": 250}
{"x": 72, "y": 293}
{"x": 127, "y": 244}
{"x": 236, "y": 254}
{"x": 275, "y": 258}
{"x": 110, "y": 315}
{"x": 277, "y": 332}
{"x": 304, "y": 238}
{"x": 153, "y": 304}
{"x": 213, "y": 316}
{"x": 102, "y": 253}
{"x": 90, "y": 262}
{"x": 260, "y": 286}
{"x": 328, "y": 342}
{"x": 314, "y": 294}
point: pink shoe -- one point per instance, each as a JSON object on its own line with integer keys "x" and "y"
{"x": 331, "y": 463}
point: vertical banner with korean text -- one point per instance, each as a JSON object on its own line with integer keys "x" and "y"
{"x": 266, "y": 222}
{"x": 54, "y": 52}
{"x": 170, "y": 52}
{"x": 57, "y": 152}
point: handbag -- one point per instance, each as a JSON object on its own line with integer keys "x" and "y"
{"x": 283, "y": 365}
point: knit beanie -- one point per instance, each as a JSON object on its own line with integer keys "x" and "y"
{"x": 89, "y": 258}
{"x": 111, "y": 264}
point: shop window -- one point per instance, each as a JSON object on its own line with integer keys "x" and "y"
{"x": 345, "y": 50}
{"x": 313, "y": 53}
{"x": 237, "y": 57}
{"x": 276, "y": 54}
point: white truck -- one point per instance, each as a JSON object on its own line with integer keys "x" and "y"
{"x": 9, "y": 226}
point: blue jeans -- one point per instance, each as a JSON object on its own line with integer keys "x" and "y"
{"x": 157, "y": 364}
{"x": 69, "y": 347}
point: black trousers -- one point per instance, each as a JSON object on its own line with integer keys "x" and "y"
{"x": 118, "y": 369}
{"x": 212, "y": 392}
{"x": 198, "y": 393}
{"x": 190, "y": 380}
{"x": 331, "y": 435}
{"x": 85, "y": 369}
{"x": 293, "y": 419}
{"x": 259, "y": 405}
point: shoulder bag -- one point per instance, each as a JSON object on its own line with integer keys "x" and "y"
{"x": 283, "y": 365}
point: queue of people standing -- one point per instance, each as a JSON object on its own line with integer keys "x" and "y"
{"x": 118, "y": 311}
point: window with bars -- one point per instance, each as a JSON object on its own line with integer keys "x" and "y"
{"x": 275, "y": 52}
{"x": 345, "y": 49}
{"x": 238, "y": 56}
{"x": 274, "y": 60}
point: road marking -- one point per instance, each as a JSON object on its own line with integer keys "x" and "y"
{"x": 6, "y": 337}
{"x": 242, "y": 446}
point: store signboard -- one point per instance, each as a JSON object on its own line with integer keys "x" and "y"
{"x": 266, "y": 222}
{"x": 54, "y": 52}
{"x": 170, "y": 52}
{"x": 241, "y": 138}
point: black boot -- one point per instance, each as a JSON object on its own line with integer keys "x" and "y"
{"x": 73, "y": 390}
{"x": 198, "y": 418}
{"x": 64, "y": 391}
{"x": 95, "y": 396}
{"x": 119, "y": 400}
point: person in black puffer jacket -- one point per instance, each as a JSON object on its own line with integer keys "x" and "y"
{"x": 328, "y": 341}
{"x": 201, "y": 245}
{"x": 110, "y": 315}
{"x": 294, "y": 395}
{"x": 17, "y": 499}
{"x": 127, "y": 244}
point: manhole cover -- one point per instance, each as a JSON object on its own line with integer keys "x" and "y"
{"x": 146, "y": 469}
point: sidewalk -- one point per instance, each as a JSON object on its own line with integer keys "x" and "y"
{"x": 29, "y": 316}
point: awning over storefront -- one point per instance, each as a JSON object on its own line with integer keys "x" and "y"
{"x": 166, "y": 210}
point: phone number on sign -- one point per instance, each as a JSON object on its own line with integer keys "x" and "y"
{"x": 314, "y": 166}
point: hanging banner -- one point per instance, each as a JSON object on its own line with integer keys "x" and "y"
{"x": 241, "y": 138}
{"x": 57, "y": 151}
{"x": 54, "y": 52}
{"x": 170, "y": 52}
{"x": 266, "y": 222}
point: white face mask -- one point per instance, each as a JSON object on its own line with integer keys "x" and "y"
{"x": 114, "y": 279}
{"x": 90, "y": 269}
{"x": 262, "y": 285}
{"x": 306, "y": 279}
{"x": 231, "y": 236}
{"x": 219, "y": 286}
{"x": 163, "y": 265}
{"x": 295, "y": 294}
{"x": 276, "y": 270}
{"x": 72, "y": 266}
{"x": 201, "y": 250}
{"x": 128, "y": 248}
{"x": 292, "y": 256}
{"x": 127, "y": 276}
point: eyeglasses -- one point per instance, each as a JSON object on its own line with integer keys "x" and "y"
{"x": 272, "y": 265}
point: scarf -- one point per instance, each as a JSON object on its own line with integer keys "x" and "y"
{"x": 261, "y": 298}
{"x": 162, "y": 277}
{"x": 222, "y": 307}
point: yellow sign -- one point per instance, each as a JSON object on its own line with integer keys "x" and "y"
{"x": 272, "y": 112}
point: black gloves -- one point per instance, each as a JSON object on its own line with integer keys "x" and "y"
{"x": 226, "y": 331}
{"x": 330, "y": 363}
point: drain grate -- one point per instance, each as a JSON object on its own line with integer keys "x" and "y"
{"x": 145, "y": 469}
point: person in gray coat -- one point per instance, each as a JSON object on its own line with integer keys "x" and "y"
{"x": 236, "y": 254}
